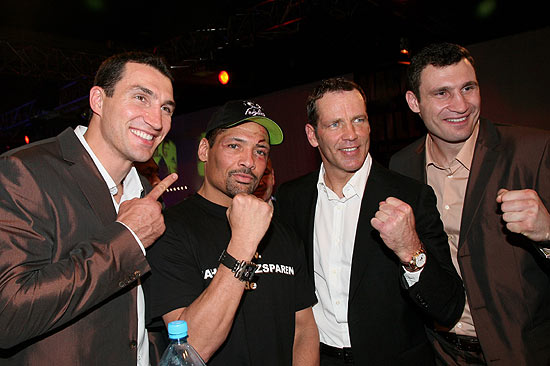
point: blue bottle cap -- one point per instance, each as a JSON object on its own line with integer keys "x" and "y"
{"x": 177, "y": 329}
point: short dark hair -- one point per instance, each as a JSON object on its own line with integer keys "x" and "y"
{"x": 329, "y": 86}
{"x": 438, "y": 55}
{"x": 112, "y": 69}
{"x": 211, "y": 135}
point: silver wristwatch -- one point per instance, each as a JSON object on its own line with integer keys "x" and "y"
{"x": 242, "y": 270}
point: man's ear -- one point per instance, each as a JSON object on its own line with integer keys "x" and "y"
{"x": 412, "y": 101}
{"x": 311, "y": 135}
{"x": 97, "y": 96}
{"x": 204, "y": 148}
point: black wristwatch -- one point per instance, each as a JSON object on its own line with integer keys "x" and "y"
{"x": 242, "y": 270}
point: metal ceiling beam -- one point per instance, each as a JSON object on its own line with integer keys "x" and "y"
{"x": 267, "y": 20}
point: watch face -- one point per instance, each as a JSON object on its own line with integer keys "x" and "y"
{"x": 248, "y": 272}
{"x": 421, "y": 260}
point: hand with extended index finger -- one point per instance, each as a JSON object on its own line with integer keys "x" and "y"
{"x": 144, "y": 215}
{"x": 524, "y": 213}
{"x": 162, "y": 186}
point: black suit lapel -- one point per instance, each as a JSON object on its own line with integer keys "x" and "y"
{"x": 365, "y": 234}
{"x": 87, "y": 176}
{"x": 309, "y": 204}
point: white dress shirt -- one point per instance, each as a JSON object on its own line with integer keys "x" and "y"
{"x": 333, "y": 241}
{"x": 132, "y": 189}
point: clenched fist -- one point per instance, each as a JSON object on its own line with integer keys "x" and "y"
{"x": 249, "y": 218}
{"x": 524, "y": 213}
{"x": 395, "y": 222}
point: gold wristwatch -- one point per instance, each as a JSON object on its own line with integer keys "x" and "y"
{"x": 418, "y": 260}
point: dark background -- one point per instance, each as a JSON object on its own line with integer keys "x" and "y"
{"x": 274, "y": 51}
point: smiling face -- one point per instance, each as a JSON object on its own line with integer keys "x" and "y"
{"x": 342, "y": 133}
{"x": 449, "y": 103}
{"x": 128, "y": 126}
{"x": 234, "y": 163}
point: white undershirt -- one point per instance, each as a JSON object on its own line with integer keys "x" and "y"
{"x": 132, "y": 189}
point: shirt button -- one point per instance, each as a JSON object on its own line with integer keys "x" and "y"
{"x": 459, "y": 325}
{"x": 447, "y": 207}
{"x": 450, "y": 176}
{"x": 337, "y": 302}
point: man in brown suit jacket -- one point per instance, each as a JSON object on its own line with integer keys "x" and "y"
{"x": 75, "y": 222}
{"x": 493, "y": 188}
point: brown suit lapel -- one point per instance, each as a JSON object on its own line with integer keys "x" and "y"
{"x": 485, "y": 156}
{"x": 87, "y": 176}
{"x": 414, "y": 166}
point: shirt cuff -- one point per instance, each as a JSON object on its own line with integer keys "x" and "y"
{"x": 135, "y": 237}
{"x": 412, "y": 277}
{"x": 545, "y": 251}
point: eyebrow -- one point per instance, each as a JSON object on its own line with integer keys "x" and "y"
{"x": 446, "y": 88}
{"x": 341, "y": 119}
{"x": 151, "y": 93}
{"x": 261, "y": 143}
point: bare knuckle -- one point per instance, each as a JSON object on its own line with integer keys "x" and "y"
{"x": 533, "y": 204}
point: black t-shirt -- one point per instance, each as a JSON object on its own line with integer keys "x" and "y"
{"x": 185, "y": 259}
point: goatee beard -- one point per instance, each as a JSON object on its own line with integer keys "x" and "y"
{"x": 233, "y": 188}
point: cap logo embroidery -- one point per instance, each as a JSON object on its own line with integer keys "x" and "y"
{"x": 253, "y": 109}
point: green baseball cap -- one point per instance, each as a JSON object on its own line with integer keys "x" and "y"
{"x": 236, "y": 112}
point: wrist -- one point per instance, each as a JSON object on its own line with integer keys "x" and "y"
{"x": 406, "y": 256}
{"x": 417, "y": 260}
{"x": 241, "y": 251}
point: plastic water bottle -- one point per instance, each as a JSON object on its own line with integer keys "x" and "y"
{"x": 179, "y": 352}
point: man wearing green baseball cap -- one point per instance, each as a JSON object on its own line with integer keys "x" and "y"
{"x": 235, "y": 274}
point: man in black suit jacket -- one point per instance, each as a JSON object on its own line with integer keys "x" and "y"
{"x": 374, "y": 242}
{"x": 496, "y": 179}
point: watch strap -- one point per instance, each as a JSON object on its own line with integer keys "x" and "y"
{"x": 242, "y": 270}
{"x": 227, "y": 260}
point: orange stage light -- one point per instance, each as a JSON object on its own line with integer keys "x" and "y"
{"x": 223, "y": 77}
